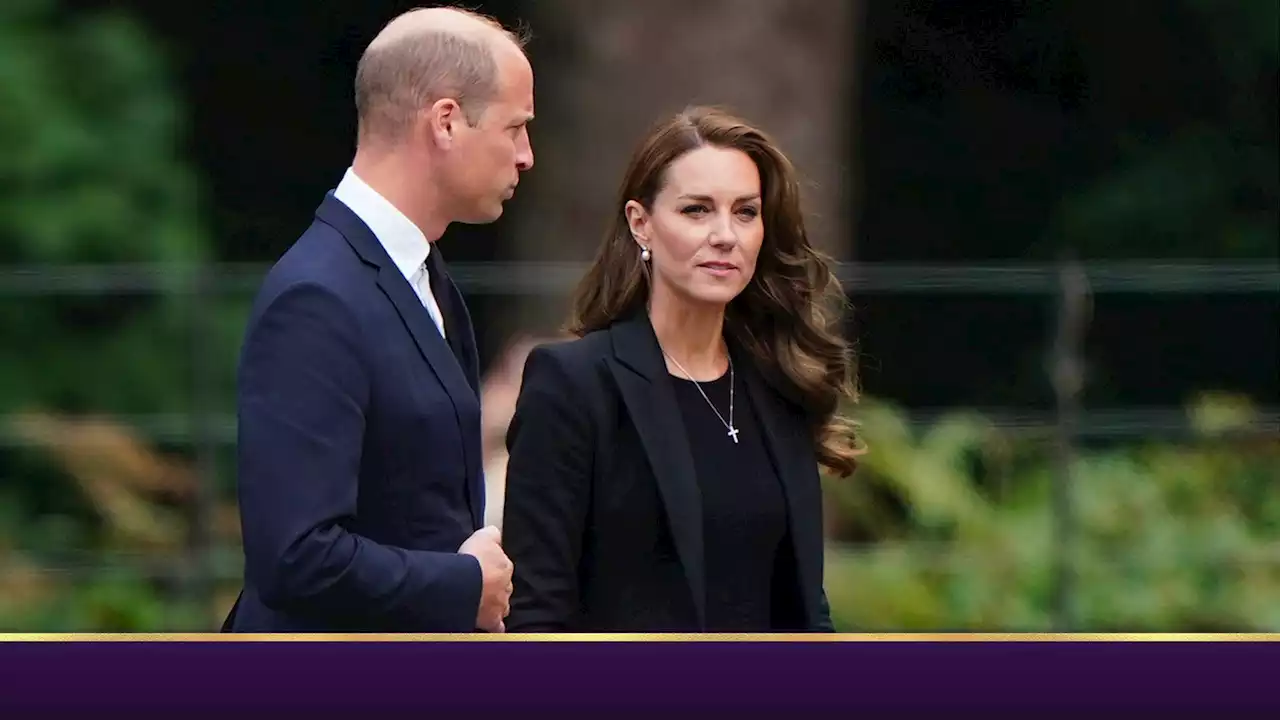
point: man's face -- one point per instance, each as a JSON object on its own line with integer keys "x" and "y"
{"x": 487, "y": 158}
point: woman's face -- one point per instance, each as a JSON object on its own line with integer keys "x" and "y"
{"x": 705, "y": 229}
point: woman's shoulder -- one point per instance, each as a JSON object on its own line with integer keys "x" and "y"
{"x": 576, "y": 353}
{"x": 569, "y": 360}
{"x": 569, "y": 373}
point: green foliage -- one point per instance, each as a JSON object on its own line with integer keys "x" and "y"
{"x": 89, "y": 143}
{"x": 92, "y": 162}
{"x": 101, "y": 601}
{"x": 1167, "y": 537}
{"x": 956, "y": 528}
{"x": 117, "y": 558}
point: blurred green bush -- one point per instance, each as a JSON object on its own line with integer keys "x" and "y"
{"x": 945, "y": 528}
{"x": 93, "y": 162}
{"x": 952, "y": 529}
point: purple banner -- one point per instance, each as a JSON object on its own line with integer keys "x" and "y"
{"x": 517, "y": 677}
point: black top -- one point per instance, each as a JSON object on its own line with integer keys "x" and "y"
{"x": 604, "y": 517}
{"x": 744, "y": 509}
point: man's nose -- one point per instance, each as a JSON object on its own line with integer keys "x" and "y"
{"x": 524, "y": 155}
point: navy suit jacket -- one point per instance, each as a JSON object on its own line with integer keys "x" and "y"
{"x": 359, "y": 444}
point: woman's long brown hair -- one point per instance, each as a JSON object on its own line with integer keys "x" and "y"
{"x": 788, "y": 317}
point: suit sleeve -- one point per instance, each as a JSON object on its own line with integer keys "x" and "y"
{"x": 547, "y": 496}
{"x": 303, "y": 391}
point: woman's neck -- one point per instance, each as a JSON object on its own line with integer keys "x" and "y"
{"x": 692, "y": 335}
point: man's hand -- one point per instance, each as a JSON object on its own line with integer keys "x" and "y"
{"x": 495, "y": 596}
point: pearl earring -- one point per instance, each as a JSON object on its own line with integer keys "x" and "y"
{"x": 644, "y": 254}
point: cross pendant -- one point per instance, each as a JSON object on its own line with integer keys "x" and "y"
{"x": 733, "y": 433}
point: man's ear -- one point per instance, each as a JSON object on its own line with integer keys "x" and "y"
{"x": 638, "y": 222}
{"x": 442, "y": 120}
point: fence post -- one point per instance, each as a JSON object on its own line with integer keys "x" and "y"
{"x": 1067, "y": 376}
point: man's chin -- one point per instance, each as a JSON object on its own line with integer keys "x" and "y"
{"x": 483, "y": 218}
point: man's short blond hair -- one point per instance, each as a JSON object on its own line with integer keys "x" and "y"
{"x": 398, "y": 77}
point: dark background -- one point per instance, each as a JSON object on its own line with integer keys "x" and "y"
{"x": 976, "y": 120}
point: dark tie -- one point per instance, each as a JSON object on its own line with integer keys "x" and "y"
{"x": 442, "y": 289}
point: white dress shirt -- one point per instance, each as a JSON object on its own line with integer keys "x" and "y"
{"x": 402, "y": 240}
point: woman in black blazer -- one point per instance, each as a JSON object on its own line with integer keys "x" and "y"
{"x": 663, "y": 472}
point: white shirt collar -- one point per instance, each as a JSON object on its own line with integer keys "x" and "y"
{"x": 402, "y": 240}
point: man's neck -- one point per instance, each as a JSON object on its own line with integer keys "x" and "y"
{"x": 411, "y": 193}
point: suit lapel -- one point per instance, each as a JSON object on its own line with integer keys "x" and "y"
{"x": 431, "y": 345}
{"x": 641, "y": 374}
{"x": 791, "y": 450}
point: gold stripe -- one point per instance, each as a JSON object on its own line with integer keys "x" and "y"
{"x": 644, "y": 637}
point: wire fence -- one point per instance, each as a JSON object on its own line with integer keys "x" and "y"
{"x": 1067, "y": 287}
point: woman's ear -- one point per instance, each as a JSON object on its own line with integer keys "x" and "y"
{"x": 638, "y": 222}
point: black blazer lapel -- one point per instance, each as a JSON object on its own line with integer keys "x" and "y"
{"x": 791, "y": 448}
{"x": 641, "y": 374}
{"x": 426, "y": 336}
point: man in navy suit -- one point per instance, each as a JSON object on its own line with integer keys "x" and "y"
{"x": 360, "y": 477}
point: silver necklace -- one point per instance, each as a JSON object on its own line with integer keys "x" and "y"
{"x": 733, "y": 431}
